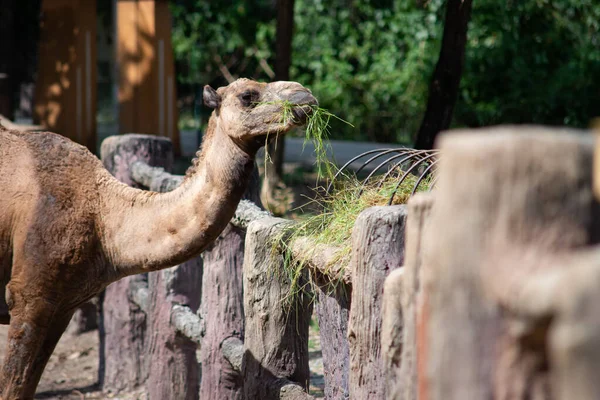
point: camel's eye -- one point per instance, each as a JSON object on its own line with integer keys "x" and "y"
{"x": 249, "y": 98}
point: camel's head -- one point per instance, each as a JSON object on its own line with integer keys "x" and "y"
{"x": 251, "y": 112}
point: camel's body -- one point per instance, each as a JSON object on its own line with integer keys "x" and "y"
{"x": 68, "y": 228}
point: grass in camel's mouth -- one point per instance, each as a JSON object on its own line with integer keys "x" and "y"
{"x": 317, "y": 125}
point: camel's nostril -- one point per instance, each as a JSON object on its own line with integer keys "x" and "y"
{"x": 303, "y": 97}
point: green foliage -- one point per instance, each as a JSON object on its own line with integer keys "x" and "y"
{"x": 532, "y": 61}
{"x": 210, "y": 35}
{"x": 370, "y": 61}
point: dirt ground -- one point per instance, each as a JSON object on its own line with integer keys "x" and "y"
{"x": 72, "y": 372}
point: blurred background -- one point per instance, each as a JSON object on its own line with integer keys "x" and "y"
{"x": 398, "y": 71}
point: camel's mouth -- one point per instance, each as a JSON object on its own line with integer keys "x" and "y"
{"x": 303, "y": 102}
{"x": 301, "y": 113}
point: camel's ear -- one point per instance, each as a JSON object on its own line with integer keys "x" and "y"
{"x": 211, "y": 98}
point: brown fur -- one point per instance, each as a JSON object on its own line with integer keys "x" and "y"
{"x": 68, "y": 228}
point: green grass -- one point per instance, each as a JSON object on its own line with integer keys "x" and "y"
{"x": 333, "y": 226}
{"x": 317, "y": 131}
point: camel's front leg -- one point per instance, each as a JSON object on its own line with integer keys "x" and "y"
{"x": 54, "y": 333}
{"x": 24, "y": 360}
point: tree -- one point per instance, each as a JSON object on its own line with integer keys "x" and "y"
{"x": 371, "y": 62}
{"x": 283, "y": 59}
{"x": 368, "y": 62}
{"x": 443, "y": 90}
{"x": 531, "y": 62}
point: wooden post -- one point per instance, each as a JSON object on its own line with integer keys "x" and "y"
{"x": 333, "y": 310}
{"x": 123, "y": 341}
{"x": 222, "y": 313}
{"x": 403, "y": 307}
{"x": 275, "y": 363}
{"x": 147, "y": 87}
{"x": 224, "y": 320}
{"x": 333, "y": 286}
{"x": 173, "y": 371}
{"x": 65, "y": 93}
{"x": 377, "y": 249}
{"x": 511, "y": 205}
{"x": 392, "y": 327}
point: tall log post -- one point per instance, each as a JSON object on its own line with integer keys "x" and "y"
{"x": 275, "y": 363}
{"x": 223, "y": 320}
{"x": 402, "y": 306}
{"x": 377, "y": 249}
{"x": 123, "y": 324}
{"x": 333, "y": 287}
{"x": 508, "y": 225}
{"x": 392, "y": 331}
{"x": 333, "y": 311}
{"x": 173, "y": 371}
{"x": 222, "y": 313}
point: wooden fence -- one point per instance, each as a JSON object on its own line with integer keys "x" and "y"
{"x": 231, "y": 303}
{"x": 496, "y": 297}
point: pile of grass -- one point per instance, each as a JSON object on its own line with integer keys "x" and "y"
{"x": 333, "y": 226}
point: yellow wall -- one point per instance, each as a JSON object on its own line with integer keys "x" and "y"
{"x": 147, "y": 90}
{"x": 65, "y": 94}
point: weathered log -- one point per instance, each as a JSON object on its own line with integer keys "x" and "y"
{"x": 123, "y": 324}
{"x": 154, "y": 178}
{"x": 120, "y": 152}
{"x": 275, "y": 363}
{"x": 333, "y": 310}
{"x": 377, "y": 249}
{"x": 322, "y": 259}
{"x": 222, "y": 311}
{"x": 506, "y": 224}
{"x": 173, "y": 372}
{"x": 233, "y": 351}
{"x": 392, "y": 332}
{"x": 333, "y": 291}
{"x": 187, "y": 322}
{"x": 138, "y": 294}
{"x": 563, "y": 293}
{"x": 225, "y": 319}
{"x": 403, "y": 317}
{"x": 246, "y": 212}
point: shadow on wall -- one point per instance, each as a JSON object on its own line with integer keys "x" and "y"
{"x": 65, "y": 94}
{"x": 147, "y": 90}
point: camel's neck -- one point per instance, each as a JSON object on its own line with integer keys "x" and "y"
{"x": 144, "y": 231}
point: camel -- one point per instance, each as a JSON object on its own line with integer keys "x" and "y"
{"x": 68, "y": 228}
